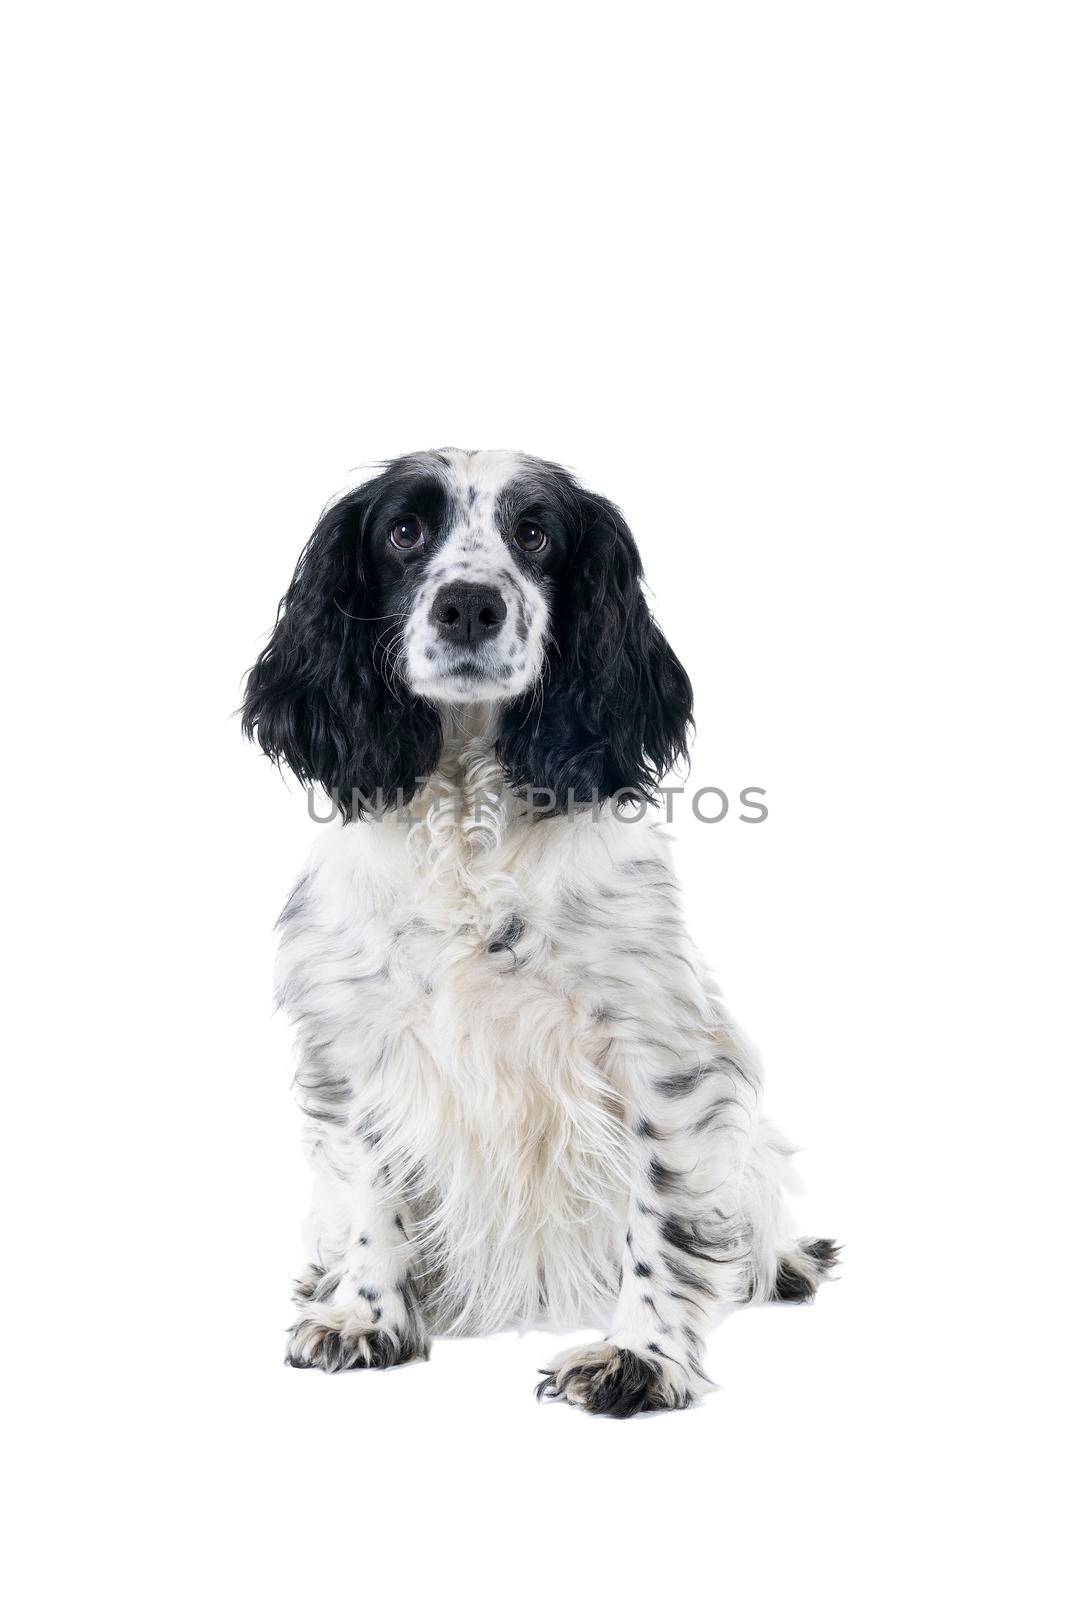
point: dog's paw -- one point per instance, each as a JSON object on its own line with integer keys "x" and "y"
{"x": 338, "y": 1340}
{"x": 612, "y": 1381}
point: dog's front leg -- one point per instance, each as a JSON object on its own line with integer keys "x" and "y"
{"x": 687, "y": 1251}
{"x": 358, "y": 1300}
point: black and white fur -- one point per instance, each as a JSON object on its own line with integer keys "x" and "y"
{"x": 526, "y": 1103}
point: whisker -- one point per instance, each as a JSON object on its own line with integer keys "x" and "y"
{"x": 352, "y": 617}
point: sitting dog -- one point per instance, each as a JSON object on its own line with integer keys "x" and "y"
{"x": 527, "y": 1105}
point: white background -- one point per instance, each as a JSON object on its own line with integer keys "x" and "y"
{"x": 786, "y": 281}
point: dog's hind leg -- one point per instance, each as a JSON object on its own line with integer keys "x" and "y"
{"x": 801, "y": 1269}
{"x": 783, "y": 1266}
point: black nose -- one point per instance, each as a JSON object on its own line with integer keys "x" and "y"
{"x": 468, "y": 612}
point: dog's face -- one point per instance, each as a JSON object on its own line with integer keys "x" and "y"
{"x": 458, "y": 577}
{"x": 464, "y": 550}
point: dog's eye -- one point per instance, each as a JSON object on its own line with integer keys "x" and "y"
{"x": 406, "y": 533}
{"x": 529, "y": 537}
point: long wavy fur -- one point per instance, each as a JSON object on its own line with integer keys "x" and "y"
{"x": 321, "y": 696}
{"x": 614, "y": 709}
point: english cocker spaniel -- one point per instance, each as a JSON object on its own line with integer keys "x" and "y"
{"x": 527, "y": 1105}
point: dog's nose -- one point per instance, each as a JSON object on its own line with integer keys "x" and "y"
{"x": 468, "y": 612}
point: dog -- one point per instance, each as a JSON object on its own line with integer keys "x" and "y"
{"x": 526, "y": 1103}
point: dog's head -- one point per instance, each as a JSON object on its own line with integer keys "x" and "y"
{"x": 460, "y": 577}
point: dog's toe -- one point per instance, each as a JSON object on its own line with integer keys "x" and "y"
{"x": 351, "y": 1343}
{"x": 612, "y": 1381}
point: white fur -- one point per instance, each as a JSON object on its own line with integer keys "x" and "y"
{"x": 498, "y": 1092}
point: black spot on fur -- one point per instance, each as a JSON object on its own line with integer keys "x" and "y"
{"x": 684, "y": 1275}
{"x": 678, "y": 1084}
{"x": 665, "y": 1180}
{"x": 676, "y": 1294}
{"x": 642, "y": 1269}
{"x": 792, "y": 1285}
{"x": 687, "y": 1236}
{"x": 827, "y": 1252}
{"x": 722, "y": 1113}
{"x": 508, "y": 936}
{"x": 796, "y": 1284}
{"x": 623, "y": 1386}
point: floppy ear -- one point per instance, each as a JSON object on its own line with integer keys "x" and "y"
{"x": 317, "y": 698}
{"x": 617, "y": 703}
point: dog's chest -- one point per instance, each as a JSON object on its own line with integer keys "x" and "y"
{"x": 458, "y": 956}
{"x": 454, "y": 1004}
{"x": 493, "y": 969}
{"x": 496, "y": 1077}
{"x": 478, "y": 976}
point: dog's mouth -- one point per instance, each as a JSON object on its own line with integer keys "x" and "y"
{"x": 461, "y": 674}
{"x": 466, "y": 678}
{"x": 469, "y": 666}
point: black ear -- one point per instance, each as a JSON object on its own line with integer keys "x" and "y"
{"x": 318, "y": 698}
{"x": 613, "y": 709}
